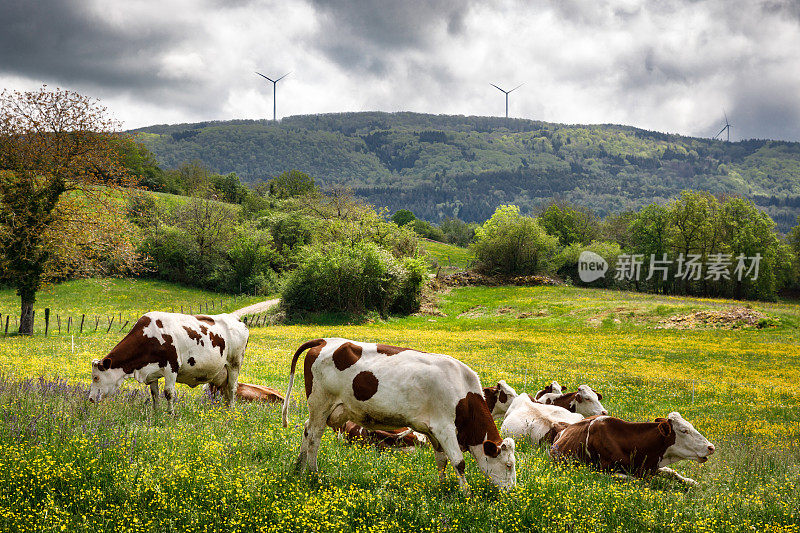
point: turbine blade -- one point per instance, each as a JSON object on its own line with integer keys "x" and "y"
{"x": 517, "y": 87}
{"x": 719, "y": 132}
{"x": 279, "y": 79}
{"x": 726, "y": 117}
{"x": 496, "y": 87}
{"x": 264, "y": 76}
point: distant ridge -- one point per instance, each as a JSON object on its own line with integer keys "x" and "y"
{"x": 454, "y": 165}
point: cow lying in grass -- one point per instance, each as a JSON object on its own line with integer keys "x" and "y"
{"x": 536, "y": 421}
{"x": 630, "y": 448}
{"x": 385, "y": 387}
{"x": 401, "y": 438}
{"x": 247, "y": 392}
{"x": 584, "y": 401}
{"x": 553, "y": 387}
{"x": 498, "y": 398}
{"x": 181, "y": 349}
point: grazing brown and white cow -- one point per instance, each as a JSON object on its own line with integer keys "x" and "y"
{"x": 386, "y": 387}
{"x": 584, "y": 401}
{"x": 536, "y": 421}
{"x": 498, "y": 398}
{"x": 180, "y": 348}
{"x": 403, "y": 437}
{"x": 248, "y": 392}
{"x": 554, "y": 387}
{"x": 631, "y": 448}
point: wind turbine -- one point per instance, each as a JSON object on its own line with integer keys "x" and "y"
{"x": 274, "y": 84}
{"x": 727, "y": 127}
{"x": 507, "y": 93}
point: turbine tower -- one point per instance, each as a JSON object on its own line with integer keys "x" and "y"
{"x": 507, "y": 93}
{"x": 726, "y": 127}
{"x": 274, "y": 84}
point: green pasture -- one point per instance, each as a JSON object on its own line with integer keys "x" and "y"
{"x": 447, "y": 255}
{"x": 119, "y": 466}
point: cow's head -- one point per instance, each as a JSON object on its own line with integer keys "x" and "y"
{"x": 499, "y": 463}
{"x": 105, "y": 380}
{"x": 499, "y": 398}
{"x": 689, "y": 443}
{"x": 587, "y": 402}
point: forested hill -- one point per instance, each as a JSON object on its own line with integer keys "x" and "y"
{"x": 442, "y": 165}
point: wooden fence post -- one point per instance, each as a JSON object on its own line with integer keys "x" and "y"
{"x": 46, "y": 320}
{"x": 96, "y": 322}
{"x": 83, "y": 317}
{"x": 123, "y": 325}
{"x": 110, "y": 323}
{"x": 58, "y": 319}
{"x": 7, "y": 317}
{"x": 69, "y": 323}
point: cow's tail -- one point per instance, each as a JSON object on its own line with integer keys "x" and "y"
{"x": 305, "y": 346}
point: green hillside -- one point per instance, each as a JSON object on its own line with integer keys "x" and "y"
{"x": 439, "y": 165}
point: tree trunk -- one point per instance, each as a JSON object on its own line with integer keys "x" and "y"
{"x": 26, "y": 317}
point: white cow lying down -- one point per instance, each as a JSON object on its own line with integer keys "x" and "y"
{"x": 536, "y": 421}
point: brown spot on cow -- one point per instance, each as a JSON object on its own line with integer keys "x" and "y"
{"x": 159, "y": 323}
{"x": 346, "y": 355}
{"x": 365, "y": 385}
{"x": 217, "y": 342}
{"x": 198, "y": 338}
{"x": 387, "y": 349}
{"x": 136, "y": 350}
{"x": 503, "y": 396}
{"x": 490, "y": 395}
{"x": 203, "y": 329}
{"x": 474, "y": 422}
{"x": 191, "y": 361}
{"x": 205, "y": 318}
{"x": 311, "y": 356}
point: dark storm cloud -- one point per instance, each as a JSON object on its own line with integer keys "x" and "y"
{"x": 66, "y": 41}
{"x": 362, "y": 34}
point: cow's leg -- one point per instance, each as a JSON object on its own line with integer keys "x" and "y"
{"x": 670, "y": 473}
{"x": 441, "y": 463}
{"x": 230, "y": 386}
{"x": 169, "y": 390}
{"x": 449, "y": 443}
{"x": 154, "y": 393}
{"x": 319, "y": 409}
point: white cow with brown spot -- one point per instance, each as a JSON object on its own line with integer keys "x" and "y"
{"x": 584, "y": 401}
{"x": 536, "y": 421}
{"x": 385, "y": 387}
{"x": 499, "y": 398}
{"x": 179, "y": 348}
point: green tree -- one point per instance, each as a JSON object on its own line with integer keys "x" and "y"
{"x": 569, "y": 223}
{"x": 649, "y": 231}
{"x": 291, "y": 184}
{"x": 403, "y": 217}
{"x": 509, "y": 243}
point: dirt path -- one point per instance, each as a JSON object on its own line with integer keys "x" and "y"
{"x": 260, "y": 307}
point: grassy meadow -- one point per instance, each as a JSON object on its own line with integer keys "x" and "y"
{"x": 66, "y": 464}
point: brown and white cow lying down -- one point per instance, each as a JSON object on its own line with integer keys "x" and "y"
{"x": 638, "y": 449}
{"x": 584, "y": 401}
{"x": 401, "y": 438}
{"x": 536, "y": 421}
{"x": 499, "y": 398}
{"x": 386, "y": 387}
{"x": 554, "y": 387}
{"x": 180, "y": 348}
{"x": 248, "y": 392}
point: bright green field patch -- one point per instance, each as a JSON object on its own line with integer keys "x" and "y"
{"x": 106, "y": 297}
{"x": 448, "y": 255}
{"x": 117, "y": 466}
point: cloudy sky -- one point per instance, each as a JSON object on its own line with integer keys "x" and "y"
{"x": 665, "y": 65}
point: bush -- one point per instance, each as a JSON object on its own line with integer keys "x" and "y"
{"x": 512, "y": 244}
{"x": 565, "y": 263}
{"x": 353, "y": 278}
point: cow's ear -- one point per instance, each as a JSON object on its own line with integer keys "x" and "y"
{"x": 106, "y": 362}
{"x": 490, "y": 448}
{"x": 599, "y": 396}
{"x": 579, "y": 398}
{"x": 664, "y": 427}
